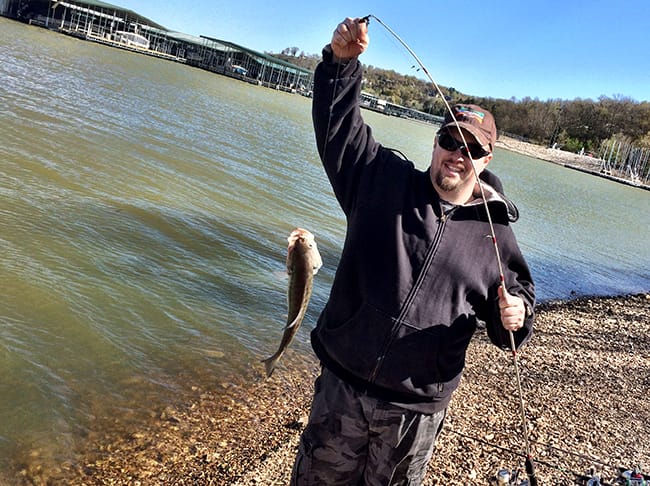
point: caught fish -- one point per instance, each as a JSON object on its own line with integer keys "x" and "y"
{"x": 303, "y": 262}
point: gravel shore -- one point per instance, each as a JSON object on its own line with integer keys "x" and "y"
{"x": 548, "y": 154}
{"x": 584, "y": 163}
{"x": 585, "y": 376}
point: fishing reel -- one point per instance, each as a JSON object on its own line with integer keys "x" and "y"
{"x": 626, "y": 477}
{"x": 590, "y": 479}
{"x": 506, "y": 477}
{"x": 633, "y": 477}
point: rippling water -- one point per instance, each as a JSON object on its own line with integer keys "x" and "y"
{"x": 144, "y": 209}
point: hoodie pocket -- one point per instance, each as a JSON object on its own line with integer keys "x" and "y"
{"x": 357, "y": 343}
{"x": 424, "y": 362}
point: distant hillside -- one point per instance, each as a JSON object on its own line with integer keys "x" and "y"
{"x": 577, "y": 125}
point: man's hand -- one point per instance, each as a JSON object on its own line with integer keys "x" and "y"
{"x": 513, "y": 310}
{"x": 350, "y": 39}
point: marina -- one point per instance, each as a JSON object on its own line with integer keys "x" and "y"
{"x": 111, "y": 25}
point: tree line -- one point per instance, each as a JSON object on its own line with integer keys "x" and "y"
{"x": 573, "y": 125}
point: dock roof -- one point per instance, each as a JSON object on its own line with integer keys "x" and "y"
{"x": 76, "y": 4}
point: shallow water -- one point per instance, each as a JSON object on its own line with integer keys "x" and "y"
{"x": 144, "y": 210}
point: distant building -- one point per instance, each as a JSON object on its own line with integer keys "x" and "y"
{"x": 373, "y": 102}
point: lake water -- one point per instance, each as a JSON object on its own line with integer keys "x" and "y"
{"x": 144, "y": 210}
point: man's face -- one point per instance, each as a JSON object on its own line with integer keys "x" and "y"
{"x": 451, "y": 168}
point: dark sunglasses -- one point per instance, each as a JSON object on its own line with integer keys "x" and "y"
{"x": 450, "y": 144}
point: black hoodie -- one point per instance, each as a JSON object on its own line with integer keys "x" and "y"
{"x": 413, "y": 280}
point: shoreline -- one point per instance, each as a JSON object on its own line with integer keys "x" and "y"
{"x": 582, "y": 163}
{"x": 585, "y": 382}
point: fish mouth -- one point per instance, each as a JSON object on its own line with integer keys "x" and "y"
{"x": 300, "y": 234}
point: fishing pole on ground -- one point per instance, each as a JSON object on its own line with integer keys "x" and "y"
{"x": 510, "y": 451}
{"x": 530, "y": 467}
{"x": 588, "y": 479}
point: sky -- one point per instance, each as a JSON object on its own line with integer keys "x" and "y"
{"x": 550, "y": 49}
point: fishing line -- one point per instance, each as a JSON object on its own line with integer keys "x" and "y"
{"x": 530, "y": 468}
{"x": 331, "y": 107}
{"x": 577, "y": 454}
{"x": 510, "y": 451}
{"x": 462, "y": 136}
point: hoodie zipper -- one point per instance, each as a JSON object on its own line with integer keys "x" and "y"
{"x": 411, "y": 295}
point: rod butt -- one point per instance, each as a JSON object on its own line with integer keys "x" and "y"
{"x": 530, "y": 471}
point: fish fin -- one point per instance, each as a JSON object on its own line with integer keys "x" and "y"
{"x": 318, "y": 260}
{"x": 269, "y": 364}
{"x": 292, "y": 245}
{"x": 292, "y": 324}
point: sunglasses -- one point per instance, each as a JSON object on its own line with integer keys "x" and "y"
{"x": 450, "y": 144}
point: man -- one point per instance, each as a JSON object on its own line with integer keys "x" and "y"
{"x": 416, "y": 276}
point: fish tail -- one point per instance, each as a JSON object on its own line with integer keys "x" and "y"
{"x": 270, "y": 363}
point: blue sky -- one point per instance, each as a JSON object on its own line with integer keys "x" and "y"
{"x": 548, "y": 49}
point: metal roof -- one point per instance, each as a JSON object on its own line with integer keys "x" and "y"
{"x": 189, "y": 38}
{"x": 148, "y": 24}
{"x": 109, "y": 6}
{"x": 266, "y": 57}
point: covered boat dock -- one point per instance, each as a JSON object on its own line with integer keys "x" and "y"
{"x": 110, "y": 24}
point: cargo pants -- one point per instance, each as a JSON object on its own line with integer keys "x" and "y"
{"x": 353, "y": 439}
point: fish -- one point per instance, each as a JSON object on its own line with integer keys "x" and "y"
{"x": 303, "y": 262}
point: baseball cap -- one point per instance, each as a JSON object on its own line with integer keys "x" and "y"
{"x": 476, "y": 120}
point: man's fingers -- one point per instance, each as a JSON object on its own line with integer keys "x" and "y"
{"x": 512, "y": 310}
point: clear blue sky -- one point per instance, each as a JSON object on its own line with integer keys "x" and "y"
{"x": 542, "y": 49}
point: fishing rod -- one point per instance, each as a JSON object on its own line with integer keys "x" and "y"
{"x": 530, "y": 467}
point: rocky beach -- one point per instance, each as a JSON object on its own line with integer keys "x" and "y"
{"x": 585, "y": 378}
{"x": 584, "y": 163}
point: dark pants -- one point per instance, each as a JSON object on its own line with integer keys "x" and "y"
{"x": 353, "y": 439}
